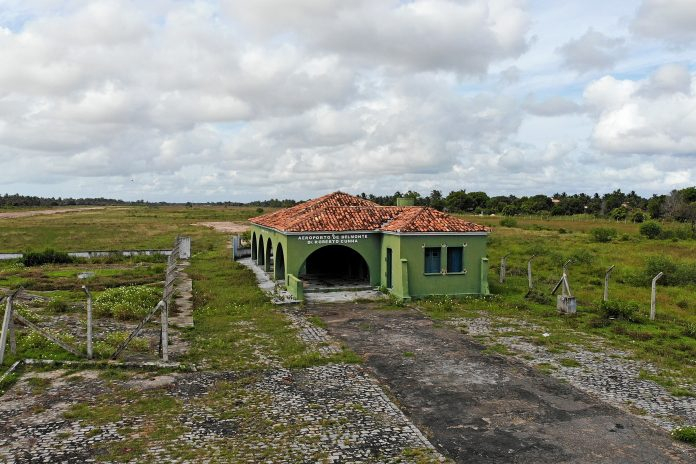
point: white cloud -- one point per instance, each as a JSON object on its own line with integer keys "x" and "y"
{"x": 593, "y": 50}
{"x": 465, "y": 37}
{"x": 552, "y": 106}
{"x": 239, "y": 100}
{"x": 671, "y": 20}
{"x": 652, "y": 116}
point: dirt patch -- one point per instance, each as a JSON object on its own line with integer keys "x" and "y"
{"x": 225, "y": 226}
{"x": 38, "y": 212}
{"x": 485, "y": 408}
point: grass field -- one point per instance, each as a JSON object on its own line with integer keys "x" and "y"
{"x": 114, "y": 228}
{"x": 231, "y": 310}
{"x": 669, "y": 341}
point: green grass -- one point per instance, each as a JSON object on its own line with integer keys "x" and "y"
{"x": 235, "y": 325}
{"x": 115, "y": 228}
{"x": 668, "y": 341}
{"x": 685, "y": 434}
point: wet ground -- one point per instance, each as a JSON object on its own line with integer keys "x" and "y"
{"x": 478, "y": 407}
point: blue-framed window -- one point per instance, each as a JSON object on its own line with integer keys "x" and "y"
{"x": 455, "y": 259}
{"x": 432, "y": 260}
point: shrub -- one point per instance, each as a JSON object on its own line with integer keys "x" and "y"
{"x": 683, "y": 304}
{"x": 690, "y": 330}
{"x": 638, "y": 217}
{"x": 48, "y": 256}
{"x": 58, "y": 306}
{"x": 538, "y": 297}
{"x": 127, "y": 303}
{"x": 603, "y": 234}
{"x": 615, "y": 309}
{"x": 582, "y": 256}
{"x": 674, "y": 273}
{"x": 651, "y": 229}
{"x": 508, "y": 222}
{"x": 685, "y": 434}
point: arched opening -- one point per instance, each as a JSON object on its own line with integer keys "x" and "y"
{"x": 279, "y": 263}
{"x": 335, "y": 265}
{"x": 260, "y": 253}
{"x": 253, "y": 246}
{"x": 269, "y": 256}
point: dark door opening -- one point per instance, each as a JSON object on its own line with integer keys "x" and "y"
{"x": 336, "y": 265}
{"x": 389, "y": 268}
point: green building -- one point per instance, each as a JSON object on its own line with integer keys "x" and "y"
{"x": 344, "y": 241}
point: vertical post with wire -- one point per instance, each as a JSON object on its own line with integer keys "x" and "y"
{"x": 653, "y": 295}
{"x": 503, "y": 267}
{"x": 7, "y": 324}
{"x": 529, "y": 272}
{"x": 606, "y": 283}
{"x": 89, "y": 322}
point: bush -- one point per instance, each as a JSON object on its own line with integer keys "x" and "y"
{"x": 685, "y": 434}
{"x": 638, "y": 217}
{"x": 603, "y": 234}
{"x": 651, "y": 229}
{"x": 508, "y": 222}
{"x": 674, "y": 273}
{"x": 627, "y": 311}
{"x": 538, "y": 297}
{"x": 58, "y": 306}
{"x": 48, "y": 256}
{"x": 127, "y": 303}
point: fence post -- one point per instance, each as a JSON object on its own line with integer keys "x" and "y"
{"x": 89, "y": 321}
{"x": 184, "y": 247}
{"x": 235, "y": 247}
{"x": 503, "y": 265}
{"x": 6, "y": 324}
{"x": 529, "y": 272}
{"x": 653, "y": 295}
{"x": 164, "y": 318}
{"x": 606, "y": 283}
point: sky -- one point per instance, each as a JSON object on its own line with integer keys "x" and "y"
{"x": 235, "y": 100}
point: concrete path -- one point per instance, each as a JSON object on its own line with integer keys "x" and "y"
{"x": 484, "y": 408}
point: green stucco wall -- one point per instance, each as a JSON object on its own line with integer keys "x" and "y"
{"x": 409, "y": 279}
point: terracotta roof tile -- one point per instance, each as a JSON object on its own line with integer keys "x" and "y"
{"x": 339, "y": 212}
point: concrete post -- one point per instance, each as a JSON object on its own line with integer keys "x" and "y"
{"x": 606, "y": 283}
{"x": 184, "y": 247}
{"x": 404, "y": 279}
{"x": 653, "y": 295}
{"x": 235, "y": 246}
{"x": 503, "y": 268}
{"x": 6, "y": 322}
{"x": 164, "y": 319}
{"x": 89, "y": 322}
{"x": 484, "y": 277}
{"x": 529, "y": 272}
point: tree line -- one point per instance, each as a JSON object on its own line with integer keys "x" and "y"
{"x": 679, "y": 205}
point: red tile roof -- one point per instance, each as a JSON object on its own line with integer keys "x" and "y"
{"x": 340, "y": 212}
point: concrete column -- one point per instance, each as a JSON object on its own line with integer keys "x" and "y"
{"x": 184, "y": 247}
{"x": 404, "y": 279}
{"x": 484, "y": 277}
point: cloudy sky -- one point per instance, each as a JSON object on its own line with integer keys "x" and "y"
{"x": 241, "y": 100}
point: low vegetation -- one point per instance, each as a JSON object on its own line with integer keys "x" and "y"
{"x": 127, "y": 303}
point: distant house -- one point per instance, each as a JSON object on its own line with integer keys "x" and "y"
{"x": 340, "y": 239}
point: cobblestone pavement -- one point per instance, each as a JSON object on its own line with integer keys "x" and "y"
{"x": 605, "y": 372}
{"x": 333, "y": 414}
{"x": 314, "y": 336}
{"x": 480, "y": 407}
